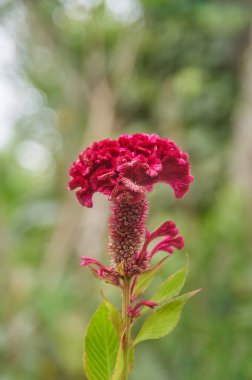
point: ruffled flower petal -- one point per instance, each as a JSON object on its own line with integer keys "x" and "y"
{"x": 141, "y": 160}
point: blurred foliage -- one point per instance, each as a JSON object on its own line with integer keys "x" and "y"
{"x": 75, "y": 70}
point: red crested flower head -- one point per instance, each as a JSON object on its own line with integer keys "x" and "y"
{"x": 124, "y": 169}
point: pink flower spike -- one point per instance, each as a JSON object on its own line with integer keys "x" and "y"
{"x": 149, "y": 304}
{"x": 134, "y": 312}
{"x": 89, "y": 260}
{"x": 167, "y": 228}
{"x": 110, "y": 278}
{"x": 126, "y": 232}
{"x": 167, "y": 245}
{"x": 103, "y": 273}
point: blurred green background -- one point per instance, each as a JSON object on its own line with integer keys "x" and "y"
{"x": 75, "y": 71}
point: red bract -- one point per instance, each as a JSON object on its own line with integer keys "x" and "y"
{"x": 125, "y": 168}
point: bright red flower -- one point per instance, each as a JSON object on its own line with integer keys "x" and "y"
{"x": 125, "y": 168}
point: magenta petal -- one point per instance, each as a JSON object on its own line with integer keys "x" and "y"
{"x": 135, "y": 311}
{"x": 102, "y": 273}
{"x": 176, "y": 172}
{"x": 85, "y": 198}
{"x": 90, "y": 260}
{"x": 78, "y": 181}
{"x": 167, "y": 228}
{"x": 168, "y": 244}
{"x": 146, "y": 303}
{"x": 141, "y": 159}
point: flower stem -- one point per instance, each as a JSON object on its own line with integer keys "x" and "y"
{"x": 126, "y": 325}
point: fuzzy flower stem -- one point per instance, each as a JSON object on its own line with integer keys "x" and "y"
{"x": 127, "y": 327}
{"x": 126, "y": 233}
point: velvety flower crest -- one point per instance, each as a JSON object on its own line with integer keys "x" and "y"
{"x": 124, "y": 169}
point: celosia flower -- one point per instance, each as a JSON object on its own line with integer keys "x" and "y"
{"x": 126, "y": 167}
{"x": 124, "y": 170}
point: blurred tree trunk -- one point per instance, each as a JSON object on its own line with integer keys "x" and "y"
{"x": 78, "y": 229}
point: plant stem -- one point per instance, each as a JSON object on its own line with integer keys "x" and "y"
{"x": 126, "y": 325}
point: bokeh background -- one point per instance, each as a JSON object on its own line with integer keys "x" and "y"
{"x": 75, "y": 71}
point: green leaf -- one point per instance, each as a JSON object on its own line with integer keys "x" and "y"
{"x": 115, "y": 316}
{"x": 118, "y": 365}
{"x": 101, "y": 346}
{"x": 170, "y": 287}
{"x": 144, "y": 280}
{"x": 164, "y": 320}
{"x": 120, "y": 362}
{"x": 131, "y": 357}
